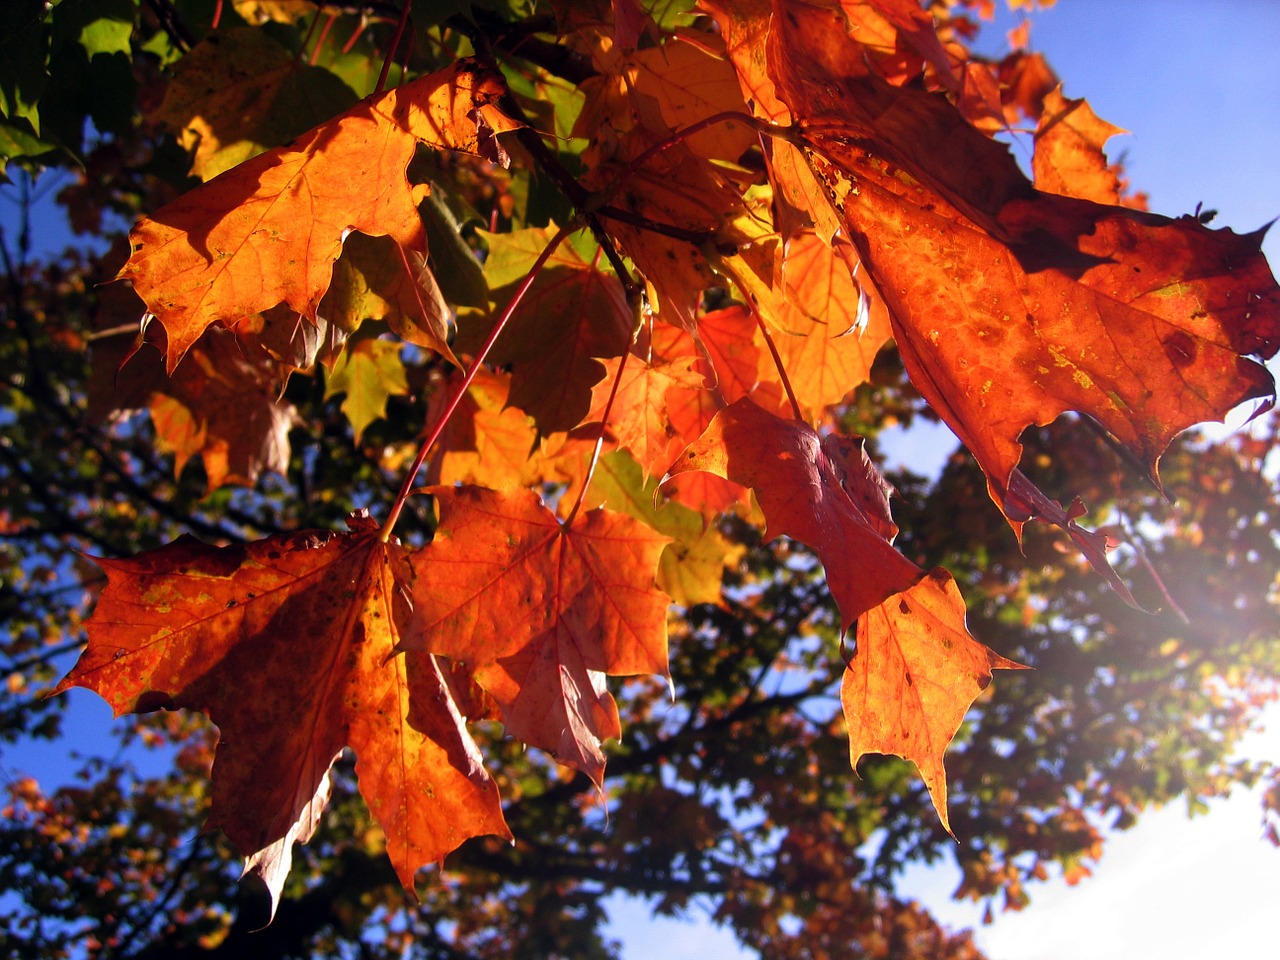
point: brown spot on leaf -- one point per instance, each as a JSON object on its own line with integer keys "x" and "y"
{"x": 1180, "y": 349}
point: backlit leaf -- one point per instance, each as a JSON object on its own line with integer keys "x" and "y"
{"x": 809, "y": 495}
{"x": 486, "y": 442}
{"x": 225, "y": 408}
{"x": 368, "y": 372}
{"x": 1068, "y": 157}
{"x": 269, "y": 230}
{"x": 639, "y": 419}
{"x": 691, "y": 566}
{"x": 913, "y": 676}
{"x": 290, "y": 645}
{"x": 1011, "y": 306}
{"x": 572, "y": 317}
{"x": 542, "y": 612}
{"x": 377, "y": 279}
{"x": 915, "y": 669}
{"x": 238, "y": 93}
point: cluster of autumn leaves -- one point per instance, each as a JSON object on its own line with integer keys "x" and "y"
{"x": 830, "y": 167}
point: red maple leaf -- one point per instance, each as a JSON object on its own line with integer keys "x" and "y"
{"x": 541, "y": 612}
{"x": 289, "y": 644}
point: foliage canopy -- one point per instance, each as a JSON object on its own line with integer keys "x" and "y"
{"x": 638, "y": 286}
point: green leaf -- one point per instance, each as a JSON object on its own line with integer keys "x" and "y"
{"x": 110, "y": 28}
{"x": 17, "y": 144}
{"x": 368, "y": 371}
{"x": 692, "y": 565}
{"x": 239, "y": 93}
{"x": 24, "y": 51}
{"x": 459, "y": 273}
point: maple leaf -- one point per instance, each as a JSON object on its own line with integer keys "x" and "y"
{"x": 290, "y": 645}
{"x": 368, "y": 372}
{"x": 486, "y": 441}
{"x": 1068, "y": 157}
{"x": 223, "y": 406}
{"x": 831, "y": 328}
{"x": 1025, "y": 80}
{"x": 572, "y": 316}
{"x": 541, "y": 612}
{"x": 677, "y": 189}
{"x": 683, "y": 81}
{"x": 239, "y": 92}
{"x": 1011, "y": 306}
{"x": 914, "y": 674}
{"x": 916, "y": 669}
{"x": 730, "y": 355}
{"x": 727, "y": 350}
{"x": 269, "y": 230}
{"x": 377, "y": 279}
{"x": 811, "y": 492}
{"x": 639, "y": 419}
{"x": 692, "y": 565}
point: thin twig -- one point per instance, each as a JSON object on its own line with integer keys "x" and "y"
{"x": 315, "y": 21}
{"x": 407, "y": 486}
{"x": 736, "y": 278}
{"x": 595, "y": 453}
{"x": 44, "y": 656}
{"x": 395, "y": 43}
{"x": 172, "y": 24}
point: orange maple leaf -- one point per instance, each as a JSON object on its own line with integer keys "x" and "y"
{"x": 377, "y": 279}
{"x": 573, "y": 316}
{"x": 914, "y": 674}
{"x": 224, "y": 406}
{"x": 727, "y": 349}
{"x": 680, "y": 191}
{"x": 238, "y": 92}
{"x": 682, "y": 82}
{"x": 729, "y": 353}
{"x": 1068, "y": 158}
{"x": 1011, "y": 306}
{"x": 915, "y": 669}
{"x": 640, "y": 419}
{"x": 485, "y": 442}
{"x": 832, "y": 324}
{"x": 289, "y": 644}
{"x": 269, "y": 230}
{"x": 542, "y": 611}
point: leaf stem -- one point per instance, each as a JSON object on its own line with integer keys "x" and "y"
{"x": 395, "y": 45}
{"x": 407, "y": 486}
{"x": 777, "y": 360}
{"x": 727, "y": 269}
{"x": 637, "y": 311}
{"x": 355, "y": 36}
{"x": 306, "y": 40}
{"x": 324, "y": 33}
